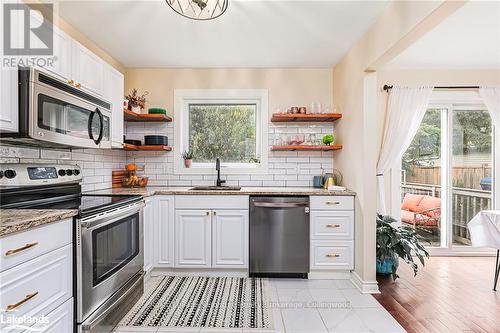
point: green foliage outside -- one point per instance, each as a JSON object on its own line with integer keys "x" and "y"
{"x": 224, "y": 131}
{"x": 471, "y": 133}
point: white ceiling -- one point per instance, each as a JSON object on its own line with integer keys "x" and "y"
{"x": 251, "y": 33}
{"x": 469, "y": 39}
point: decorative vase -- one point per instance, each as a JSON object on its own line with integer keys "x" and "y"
{"x": 187, "y": 163}
{"x": 385, "y": 267}
{"x": 136, "y": 109}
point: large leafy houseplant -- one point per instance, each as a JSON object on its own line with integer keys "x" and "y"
{"x": 397, "y": 242}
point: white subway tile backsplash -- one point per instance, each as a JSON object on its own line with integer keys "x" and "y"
{"x": 285, "y": 168}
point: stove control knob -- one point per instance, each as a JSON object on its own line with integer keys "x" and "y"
{"x": 76, "y": 172}
{"x": 1, "y": 174}
{"x": 62, "y": 172}
{"x": 69, "y": 172}
{"x": 9, "y": 174}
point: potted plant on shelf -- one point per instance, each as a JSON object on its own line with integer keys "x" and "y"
{"x": 188, "y": 158}
{"x": 328, "y": 139}
{"x": 394, "y": 243}
{"x": 135, "y": 102}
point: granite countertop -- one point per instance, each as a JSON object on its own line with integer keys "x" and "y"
{"x": 17, "y": 220}
{"x": 158, "y": 190}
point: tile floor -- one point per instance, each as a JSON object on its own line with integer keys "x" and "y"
{"x": 312, "y": 306}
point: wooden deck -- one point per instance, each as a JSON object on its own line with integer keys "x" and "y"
{"x": 451, "y": 294}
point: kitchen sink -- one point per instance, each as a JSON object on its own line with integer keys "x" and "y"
{"x": 215, "y": 188}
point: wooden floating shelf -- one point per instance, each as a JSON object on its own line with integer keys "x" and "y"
{"x": 132, "y": 116}
{"x": 320, "y": 117}
{"x": 306, "y": 148}
{"x": 127, "y": 146}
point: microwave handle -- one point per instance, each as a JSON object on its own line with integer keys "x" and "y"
{"x": 101, "y": 128}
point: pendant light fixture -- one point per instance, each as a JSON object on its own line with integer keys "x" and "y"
{"x": 199, "y": 9}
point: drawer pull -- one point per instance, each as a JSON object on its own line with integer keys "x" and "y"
{"x": 332, "y": 255}
{"x": 333, "y": 225}
{"x": 11, "y": 307}
{"x": 20, "y": 249}
{"x": 332, "y": 202}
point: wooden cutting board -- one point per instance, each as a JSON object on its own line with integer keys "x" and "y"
{"x": 117, "y": 176}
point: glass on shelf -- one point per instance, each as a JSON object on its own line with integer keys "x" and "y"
{"x": 315, "y": 107}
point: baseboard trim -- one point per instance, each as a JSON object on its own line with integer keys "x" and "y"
{"x": 365, "y": 287}
{"x": 210, "y": 272}
{"x": 329, "y": 275}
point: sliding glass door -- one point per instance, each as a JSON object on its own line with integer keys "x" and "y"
{"x": 447, "y": 174}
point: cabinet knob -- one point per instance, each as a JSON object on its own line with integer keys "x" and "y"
{"x": 332, "y": 255}
{"x": 78, "y": 85}
{"x": 208, "y": 213}
{"x": 71, "y": 82}
{"x": 215, "y": 213}
{"x": 332, "y": 203}
{"x": 333, "y": 225}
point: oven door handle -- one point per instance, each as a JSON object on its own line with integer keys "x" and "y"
{"x": 92, "y": 222}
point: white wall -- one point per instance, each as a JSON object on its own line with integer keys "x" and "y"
{"x": 287, "y": 87}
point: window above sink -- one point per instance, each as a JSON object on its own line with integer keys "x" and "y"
{"x": 228, "y": 124}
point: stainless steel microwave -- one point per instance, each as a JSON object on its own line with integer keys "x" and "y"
{"x": 53, "y": 113}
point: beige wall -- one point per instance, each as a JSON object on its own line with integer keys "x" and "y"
{"x": 286, "y": 86}
{"x": 401, "y": 22}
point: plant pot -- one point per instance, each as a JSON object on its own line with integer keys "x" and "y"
{"x": 136, "y": 109}
{"x": 385, "y": 267}
{"x": 187, "y": 163}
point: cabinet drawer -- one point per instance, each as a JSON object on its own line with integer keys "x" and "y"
{"x": 19, "y": 248}
{"x": 332, "y": 255}
{"x": 337, "y": 224}
{"x": 332, "y": 202}
{"x": 38, "y": 286}
{"x": 60, "y": 320}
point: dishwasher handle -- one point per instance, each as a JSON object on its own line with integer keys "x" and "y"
{"x": 280, "y": 204}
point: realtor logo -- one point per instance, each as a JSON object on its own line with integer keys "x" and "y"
{"x": 26, "y": 31}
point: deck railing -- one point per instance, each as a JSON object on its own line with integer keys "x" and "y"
{"x": 466, "y": 203}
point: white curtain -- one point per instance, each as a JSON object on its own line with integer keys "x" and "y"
{"x": 405, "y": 110}
{"x": 491, "y": 97}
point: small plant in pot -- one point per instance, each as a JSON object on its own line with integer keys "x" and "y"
{"x": 328, "y": 139}
{"x": 188, "y": 158}
{"x": 394, "y": 243}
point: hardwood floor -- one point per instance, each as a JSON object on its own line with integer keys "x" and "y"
{"x": 450, "y": 294}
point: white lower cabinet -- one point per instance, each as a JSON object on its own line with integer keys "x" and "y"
{"x": 164, "y": 231}
{"x": 60, "y": 320}
{"x": 332, "y": 233}
{"x": 230, "y": 238}
{"x": 149, "y": 219}
{"x": 38, "y": 286}
{"x": 192, "y": 238}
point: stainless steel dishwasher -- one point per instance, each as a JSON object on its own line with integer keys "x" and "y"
{"x": 279, "y": 236}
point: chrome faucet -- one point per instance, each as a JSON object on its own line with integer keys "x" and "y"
{"x": 219, "y": 182}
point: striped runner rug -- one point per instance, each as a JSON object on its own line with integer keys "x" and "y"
{"x": 222, "y": 302}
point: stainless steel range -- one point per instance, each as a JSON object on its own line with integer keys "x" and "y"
{"x": 108, "y": 238}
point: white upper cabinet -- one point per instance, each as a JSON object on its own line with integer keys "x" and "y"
{"x": 230, "y": 239}
{"x": 164, "y": 232}
{"x": 60, "y": 64}
{"x": 9, "y": 113}
{"x": 88, "y": 69}
{"x": 192, "y": 238}
{"x": 113, "y": 92}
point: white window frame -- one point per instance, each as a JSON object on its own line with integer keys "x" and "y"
{"x": 184, "y": 97}
{"x": 453, "y": 100}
